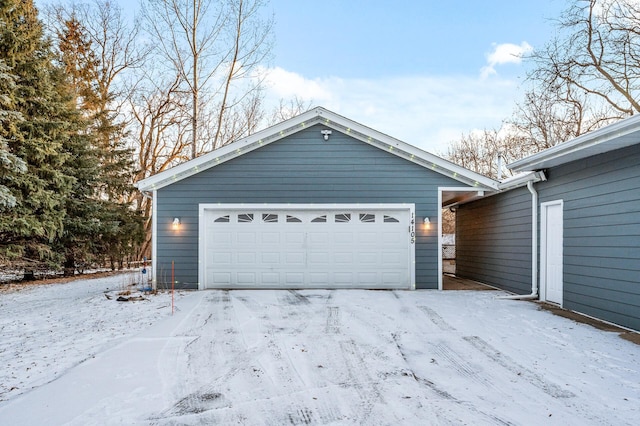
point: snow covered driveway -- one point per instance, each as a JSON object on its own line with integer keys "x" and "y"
{"x": 317, "y": 357}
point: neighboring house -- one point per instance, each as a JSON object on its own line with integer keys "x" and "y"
{"x": 317, "y": 201}
{"x": 586, "y": 255}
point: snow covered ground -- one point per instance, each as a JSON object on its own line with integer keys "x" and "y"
{"x": 71, "y": 356}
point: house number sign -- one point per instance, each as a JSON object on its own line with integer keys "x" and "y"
{"x": 412, "y": 228}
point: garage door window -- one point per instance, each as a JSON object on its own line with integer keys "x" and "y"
{"x": 390, "y": 219}
{"x": 367, "y": 217}
{"x": 269, "y": 218}
{"x": 293, "y": 219}
{"x": 245, "y": 218}
{"x": 222, "y": 219}
{"x": 319, "y": 219}
{"x": 343, "y": 218}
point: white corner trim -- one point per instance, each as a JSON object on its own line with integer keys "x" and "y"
{"x": 442, "y": 189}
{"x": 440, "y": 238}
{"x": 201, "y": 245}
{"x": 154, "y": 240}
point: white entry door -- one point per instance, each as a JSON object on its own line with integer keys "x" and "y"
{"x": 551, "y": 253}
{"x": 262, "y": 246}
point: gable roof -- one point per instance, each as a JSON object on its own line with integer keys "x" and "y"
{"x": 332, "y": 121}
{"x": 618, "y": 135}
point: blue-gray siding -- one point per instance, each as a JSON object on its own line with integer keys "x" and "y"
{"x": 301, "y": 168}
{"x": 601, "y": 234}
{"x": 601, "y": 245}
{"x": 493, "y": 241}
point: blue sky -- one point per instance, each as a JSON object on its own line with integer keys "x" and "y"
{"x": 423, "y": 71}
{"x": 375, "y": 38}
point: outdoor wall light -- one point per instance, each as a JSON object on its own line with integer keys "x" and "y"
{"x": 426, "y": 220}
{"x": 176, "y": 223}
{"x": 325, "y": 134}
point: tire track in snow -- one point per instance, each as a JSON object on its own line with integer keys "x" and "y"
{"x": 295, "y": 298}
{"x": 428, "y": 383}
{"x": 446, "y": 396}
{"x": 321, "y": 414}
{"x": 458, "y": 364}
{"x": 273, "y": 362}
{"x": 361, "y": 381}
{"x": 199, "y": 402}
{"x": 293, "y": 306}
{"x": 504, "y": 361}
{"x": 436, "y": 319}
{"x": 276, "y": 366}
{"x": 201, "y": 362}
{"x": 333, "y": 320}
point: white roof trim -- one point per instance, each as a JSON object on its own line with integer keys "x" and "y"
{"x": 521, "y": 179}
{"x": 618, "y": 135}
{"x": 332, "y": 120}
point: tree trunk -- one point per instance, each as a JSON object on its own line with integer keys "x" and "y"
{"x": 69, "y": 266}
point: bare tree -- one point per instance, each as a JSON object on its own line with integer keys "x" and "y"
{"x": 549, "y": 115}
{"x": 479, "y": 150}
{"x": 115, "y": 44}
{"x": 215, "y": 48}
{"x": 242, "y": 120}
{"x": 596, "y": 54}
{"x": 288, "y": 109}
{"x": 587, "y": 76}
{"x": 159, "y": 135}
{"x": 448, "y": 222}
{"x": 115, "y": 52}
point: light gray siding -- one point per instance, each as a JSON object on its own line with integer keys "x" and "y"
{"x": 302, "y": 168}
{"x": 493, "y": 241}
{"x": 601, "y": 246}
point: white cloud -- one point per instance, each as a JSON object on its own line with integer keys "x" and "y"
{"x": 426, "y": 111}
{"x": 506, "y": 53}
{"x": 286, "y": 84}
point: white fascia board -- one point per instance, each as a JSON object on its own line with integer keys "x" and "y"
{"x": 521, "y": 180}
{"x": 332, "y": 120}
{"x": 513, "y": 182}
{"x": 615, "y": 136}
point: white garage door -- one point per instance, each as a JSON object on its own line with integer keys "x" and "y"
{"x": 295, "y": 247}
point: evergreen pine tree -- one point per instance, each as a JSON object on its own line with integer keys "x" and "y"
{"x": 10, "y": 164}
{"x": 84, "y": 220}
{"x": 28, "y": 229}
{"x": 82, "y": 224}
{"x": 110, "y": 228}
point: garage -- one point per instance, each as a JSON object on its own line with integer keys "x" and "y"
{"x": 316, "y": 201}
{"x": 307, "y": 246}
